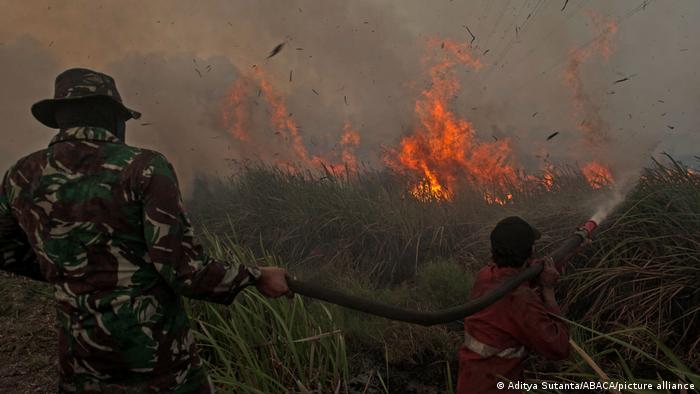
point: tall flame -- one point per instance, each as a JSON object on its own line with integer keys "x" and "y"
{"x": 236, "y": 116}
{"x": 444, "y": 148}
{"x": 235, "y": 109}
{"x": 349, "y": 142}
{"x": 592, "y": 125}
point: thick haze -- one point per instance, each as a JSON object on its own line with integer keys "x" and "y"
{"x": 175, "y": 61}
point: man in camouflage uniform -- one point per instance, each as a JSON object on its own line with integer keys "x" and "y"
{"x": 104, "y": 223}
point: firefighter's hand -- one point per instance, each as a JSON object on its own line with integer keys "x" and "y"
{"x": 549, "y": 275}
{"x": 273, "y": 282}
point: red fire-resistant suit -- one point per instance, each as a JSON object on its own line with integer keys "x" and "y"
{"x": 498, "y": 337}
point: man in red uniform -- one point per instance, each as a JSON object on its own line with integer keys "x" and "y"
{"x": 498, "y": 338}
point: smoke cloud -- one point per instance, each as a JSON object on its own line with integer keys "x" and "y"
{"x": 361, "y": 63}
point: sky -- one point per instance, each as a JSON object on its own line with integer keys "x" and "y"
{"x": 364, "y": 63}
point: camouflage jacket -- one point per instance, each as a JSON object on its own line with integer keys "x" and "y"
{"x": 104, "y": 223}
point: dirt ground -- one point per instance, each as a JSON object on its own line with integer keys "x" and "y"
{"x": 28, "y": 362}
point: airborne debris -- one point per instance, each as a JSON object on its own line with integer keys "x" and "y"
{"x": 556, "y": 133}
{"x": 565, "y": 3}
{"x": 471, "y": 34}
{"x": 670, "y": 127}
{"x": 346, "y": 99}
{"x": 661, "y": 101}
{"x": 290, "y": 75}
{"x": 276, "y": 50}
{"x": 535, "y": 114}
{"x": 625, "y": 78}
{"x": 314, "y": 90}
{"x": 146, "y": 124}
{"x": 486, "y": 51}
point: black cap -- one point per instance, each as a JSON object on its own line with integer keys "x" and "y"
{"x": 513, "y": 236}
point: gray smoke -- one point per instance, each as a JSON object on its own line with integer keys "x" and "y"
{"x": 176, "y": 60}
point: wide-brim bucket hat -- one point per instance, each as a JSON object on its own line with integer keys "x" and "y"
{"x": 78, "y": 84}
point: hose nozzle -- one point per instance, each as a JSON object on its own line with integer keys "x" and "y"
{"x": 586, "y": 231}
{"x": 590, "y": 226}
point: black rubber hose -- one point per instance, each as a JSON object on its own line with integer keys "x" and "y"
{"x": 437, "y": 317}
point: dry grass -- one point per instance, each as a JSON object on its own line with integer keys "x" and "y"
{"x": 27, "y": 339}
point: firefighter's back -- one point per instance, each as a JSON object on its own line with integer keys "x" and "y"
{"x": 79, "y": 203}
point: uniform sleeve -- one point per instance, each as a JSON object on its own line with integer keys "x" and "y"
{"x": 536, "y": 329}
{"x": 16, "y": 254}
{"x": 170, "y": 240}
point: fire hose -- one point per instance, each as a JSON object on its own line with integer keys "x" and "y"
{"x": 560, "y": 256}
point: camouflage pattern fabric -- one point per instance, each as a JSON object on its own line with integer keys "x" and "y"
{"x": 104, "y": 223}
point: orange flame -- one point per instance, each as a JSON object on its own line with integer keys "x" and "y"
{"x": 349, "y": 142}
{"x": 283, "y": 122}
{"x": 443, "y": 147}
{"x": 593, "y": 127}
{"x": 496, "y": 200}
{"x": 236, "y": 116}
{"x": 597, "y": 175}
{"x": 548, "y": 175}
{"x": 235, "y": 109}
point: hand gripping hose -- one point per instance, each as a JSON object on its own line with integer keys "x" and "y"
{"x": 430, "y": 318}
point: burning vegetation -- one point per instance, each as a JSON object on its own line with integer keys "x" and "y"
{"x": 443, "y": 151}
{"x": 253, "y": 95}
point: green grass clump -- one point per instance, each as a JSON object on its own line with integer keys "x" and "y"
{"x": 258, "y": 345}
